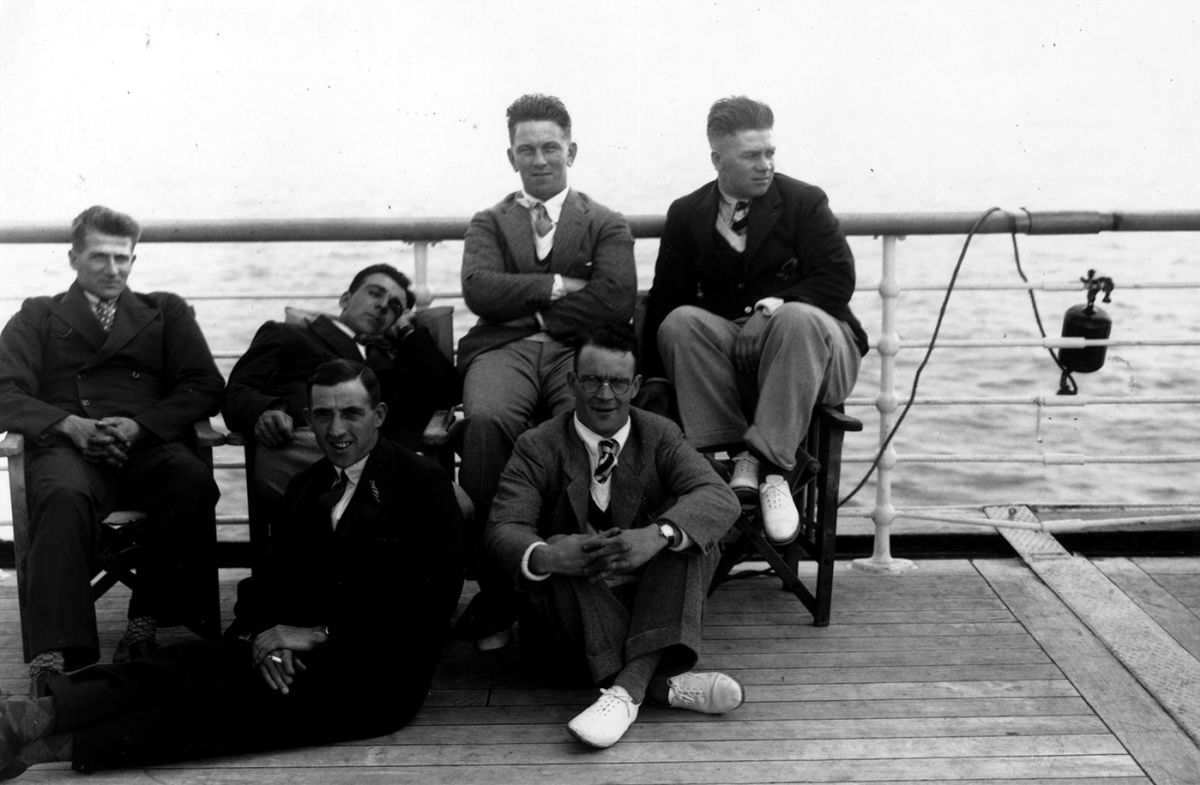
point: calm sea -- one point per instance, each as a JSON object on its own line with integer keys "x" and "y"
{"x": 297, "y": 270}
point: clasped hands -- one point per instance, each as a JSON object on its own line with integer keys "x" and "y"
{"x": 107, "y": 440}
{"x": 599, "y": 556}
{"x": 273, "y": 652}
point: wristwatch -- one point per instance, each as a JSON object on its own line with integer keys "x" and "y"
{"x": 670, "y": 534}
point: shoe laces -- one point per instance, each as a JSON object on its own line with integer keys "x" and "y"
{"x": 689, "y": 690}
{"x": 613, "y": 701}
{"x": 775, "y": 494}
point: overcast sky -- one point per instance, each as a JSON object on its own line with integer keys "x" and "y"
{"x": 301, "y": 108}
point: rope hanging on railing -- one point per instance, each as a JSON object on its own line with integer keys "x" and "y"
{"x": 1066, "y": 383}
{"x": 925, "y": 360}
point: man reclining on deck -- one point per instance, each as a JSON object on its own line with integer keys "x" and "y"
{"x": 608, "y": 522}
{"x": 341, "y": 645}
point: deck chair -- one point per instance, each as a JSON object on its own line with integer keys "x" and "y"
{"x": 817, "y": 503}
{"x": 818, "y": 506}
{"x": 439, "y": 321}
{"x": 118, "y": 539}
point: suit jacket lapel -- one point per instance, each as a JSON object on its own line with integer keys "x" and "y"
{"x": 578, "y": 474}
{"x": 77, "y": 312}
{"x": 132, "y": 317}
{"x": 764, "y": 212}
{"x": 571, "y": 222}
{"x": 338, "y": 341}
{"x": 705, "y": 216}
{"x": 628, "y": 483}
{"x": 518, "y": 231}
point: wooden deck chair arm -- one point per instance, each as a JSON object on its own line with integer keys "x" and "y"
{"x": 207, "y": 435}
{"x": 11, "y": 445}
{"x": 835, "y": 418}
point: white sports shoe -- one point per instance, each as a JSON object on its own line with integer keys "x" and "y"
{"x": 708, "y": 693}
{"x": 604, "y": 722}
{"x": 744, "y": 481}
{"x": 780, "y": 518}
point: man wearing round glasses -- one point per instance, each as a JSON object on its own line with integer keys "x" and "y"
{"x": 608, "y": 520}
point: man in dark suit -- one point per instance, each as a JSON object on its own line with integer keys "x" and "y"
{"x": 539, "y": 268}
{"x": 265, "y": 396}
{"x": 608, "y": 521}
{"x": 749, "y": 313}
{"x": 105, "y": 384}
{"x": 342, "y": 643}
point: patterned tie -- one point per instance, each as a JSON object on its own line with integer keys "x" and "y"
{"x": 106, "y": 312}
{"x": 740, "y": 217}
{"x": 541, "y": 219}
{"x": 331, "y": 497}
{"x": 608, "y": 459}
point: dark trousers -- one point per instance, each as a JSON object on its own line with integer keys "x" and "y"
{"x": 204, "y": 698}
{"x": 611, "y": 626}
{"x": 69, "y": 496}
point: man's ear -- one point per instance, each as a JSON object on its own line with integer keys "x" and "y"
{"x": 572, "y": 148}
{"x": 308, "y": 417}
{"x": 635, "y": 386}
{"x": 715, "y": 157}
{"x": 512, "y": 159}
{"x": 380, "y": 414}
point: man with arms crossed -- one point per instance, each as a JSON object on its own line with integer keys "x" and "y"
{"x": 341, "y": 645}
{"x": 750, "y": 311}
{"x": 106, "y": 384}
{"x": 608, "y": 521}
{"x": 539, "y": 268}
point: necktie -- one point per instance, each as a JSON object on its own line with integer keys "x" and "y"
{"x": 331, "y": 497}
{"x": 739, "y": 218}
{"x": 541, "y": 219}
{"x": 608, "y": 458}
{"x": 375, "y": 344}
{"x": 106, "y": 312}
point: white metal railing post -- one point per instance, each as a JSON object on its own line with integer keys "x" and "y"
{"x": 421, "y": 273}
{"x": 881, "y": 560}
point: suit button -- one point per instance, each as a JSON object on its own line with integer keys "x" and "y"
{"x": 137, "y": 374}
{"x": 80, "y": 376}
{"x": 741, "y": 286}
{"x": 749, "y": 309}
{"x": 86, "y": 402}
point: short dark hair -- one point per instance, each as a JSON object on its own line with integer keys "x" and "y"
{"x": 614, "y": 337}
{"x": 334, "y": 372}
{"x": 736, "y": 113}
{"x": 391, "y": 272}
{"x": 99, "y": 218}
{"x": 535, "y": 106}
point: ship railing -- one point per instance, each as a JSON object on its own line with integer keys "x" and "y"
{"x": 888, "y": 228}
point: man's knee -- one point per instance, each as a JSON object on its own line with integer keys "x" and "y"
{"x": 799, "y": 316}
{"x": 682, "y": 322}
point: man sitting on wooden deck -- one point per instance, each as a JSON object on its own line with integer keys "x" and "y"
{"x": 342, "y": 644}
{"x": 608, "y": 522}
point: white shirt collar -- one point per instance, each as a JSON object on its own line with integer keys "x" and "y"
{"x": 591, "y": 439}
{"x": 554, "y": 204}
{"x": 346, "y": 329}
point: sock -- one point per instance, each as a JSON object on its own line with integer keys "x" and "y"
{"x": 141, "y": 630}
{"x": 42, "y": 667}
{"x": 636, "y": 675}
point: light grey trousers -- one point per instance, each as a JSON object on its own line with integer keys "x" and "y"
{"x": 805, "y": 357}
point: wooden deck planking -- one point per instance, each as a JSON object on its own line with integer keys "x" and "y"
{"x": 899, "y": 688}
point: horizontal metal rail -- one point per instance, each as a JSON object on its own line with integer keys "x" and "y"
{"x": 643, "y": 226}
